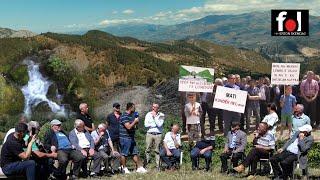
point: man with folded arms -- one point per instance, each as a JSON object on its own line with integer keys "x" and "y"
{"x": 154, "y": 123}
{"x": 295, "y": 149}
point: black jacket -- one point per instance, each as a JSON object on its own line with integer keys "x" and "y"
{"x": 50, "y": 139}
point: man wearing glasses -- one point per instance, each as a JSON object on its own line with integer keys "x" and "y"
{"x": 57, "y": 141}
{"x": 154, "y": 124}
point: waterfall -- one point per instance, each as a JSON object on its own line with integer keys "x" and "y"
{"x": 36, "y": 90}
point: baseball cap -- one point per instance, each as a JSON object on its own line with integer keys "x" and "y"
{"x": 306, "y": 128}
{"x": 55, "y": 122}
{"x": 116, "y": 105}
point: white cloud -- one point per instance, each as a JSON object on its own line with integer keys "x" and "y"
{"x": 217, "y": 7}
{"x": 120, "y": 21}
{"x": 114, "y": 12}
{"x": 128, "y": 11}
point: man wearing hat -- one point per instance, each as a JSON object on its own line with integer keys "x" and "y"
{"x": 57, "y": 141}
{"x": 113, "y": 122}
{"x": 295, "y": 149}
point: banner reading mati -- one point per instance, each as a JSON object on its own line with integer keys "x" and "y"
{"x": 195, "y": 79}
{"x": 285, "y": 73}
{"x": 230, "y": 99}
{"x": 190, "y": 85}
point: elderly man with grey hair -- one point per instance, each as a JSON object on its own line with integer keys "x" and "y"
{"x": 299, "y": 119}
{"x": 104, "y": 145}
{"x": 82, "y": 141}
{"x": 56, "y": 140}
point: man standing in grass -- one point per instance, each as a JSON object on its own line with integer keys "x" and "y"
{"x": 287, "y": 103}
{"x": 128, "y": 122}
{"x": 154, "y": 124}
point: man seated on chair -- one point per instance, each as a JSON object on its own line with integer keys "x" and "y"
{"x": 203, "y": 148}
{"x": 296, "y": 148}
{"x": 81, "y": 139}
{"x": 14, "y": 161}
{"x": 264, "y": 144}
{"x": 103, "y": 144}
{"x": 56, "y": 140}
{"x": 234, "y": 147}
{"x": 171, "y": 147}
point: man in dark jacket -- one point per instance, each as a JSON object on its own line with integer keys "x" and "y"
{"x": 113, "y": 121}
{"x": 234, "y": 147}
{"x": 295, "y": 149}
{"x": 57, "y": 141}
{"x": 203, "y": 148}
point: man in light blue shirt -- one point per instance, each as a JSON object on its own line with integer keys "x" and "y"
{"x": 154, "y": 124}
{"x": 299, "y": 118}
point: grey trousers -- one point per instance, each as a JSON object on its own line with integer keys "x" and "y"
{"x": 153, "y": 143}
{"x": 110, "y": 159}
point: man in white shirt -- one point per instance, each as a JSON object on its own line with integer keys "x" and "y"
{"x": 295, "y": 149}
{"x": 82, "y": 141}
{"x": 171, "y": 147}
{"x": 272, "y": 118}
{"x": 154, "y": 124}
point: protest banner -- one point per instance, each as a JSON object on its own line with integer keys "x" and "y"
{"x": 195, "y": 79}
{"x": 285, "y": 73}
{"x": 230, "y": 99}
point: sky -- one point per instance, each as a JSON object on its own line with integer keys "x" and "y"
{"x": 75, "y": 15}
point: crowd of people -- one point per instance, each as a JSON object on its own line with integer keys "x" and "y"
{"x": 109, "y": 144}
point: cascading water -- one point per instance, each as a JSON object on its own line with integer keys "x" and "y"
{"x": 36, "y": 90}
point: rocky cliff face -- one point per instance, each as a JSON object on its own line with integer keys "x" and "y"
{"x": 9, "y": 33}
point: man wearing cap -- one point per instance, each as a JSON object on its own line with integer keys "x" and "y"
{"x": 203, "y": 148}
{"x": 85, "y": 117}
{"x": 113, "y": 121}
{"x": 154, "y": 123}
{"x": 57, "y": 140}
{"x": 295, "y": 149}
{"x": 14, "y": 160}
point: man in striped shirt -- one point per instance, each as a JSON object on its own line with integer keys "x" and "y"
{"x": 264, "y": 144}
{"x": 128, "y": 122}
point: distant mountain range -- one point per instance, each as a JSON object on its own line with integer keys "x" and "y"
{"x": 250, "y": 30}
{"x": 9, "y": 33}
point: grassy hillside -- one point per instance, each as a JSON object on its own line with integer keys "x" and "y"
{"x": 90, "y": 66}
